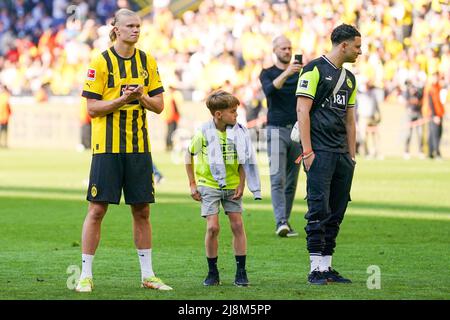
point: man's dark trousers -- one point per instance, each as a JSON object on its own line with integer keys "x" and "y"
{"x": 329, "y": 181}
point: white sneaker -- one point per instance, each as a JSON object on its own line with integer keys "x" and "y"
{"x": 282, "y": 230}
{"x": 292, "y": 233}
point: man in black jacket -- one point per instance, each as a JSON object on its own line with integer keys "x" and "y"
{"x": 279, "y": 84}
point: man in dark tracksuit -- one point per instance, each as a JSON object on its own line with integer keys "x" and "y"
{"x": 328, "y": 136}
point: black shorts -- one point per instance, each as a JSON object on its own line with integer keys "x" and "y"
{"x": 112, "y": 172}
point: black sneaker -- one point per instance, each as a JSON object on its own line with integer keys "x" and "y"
{"x": 241, "y": 279}
{"x": 317, "y": 277}
{"x": 292, "y": 232}
{"x": 334, "y": 276}
{"x": 212, "y": 279}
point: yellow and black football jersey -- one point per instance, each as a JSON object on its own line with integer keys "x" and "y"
{"x": 328, "y": 113}
{"x": 124, "y": 130}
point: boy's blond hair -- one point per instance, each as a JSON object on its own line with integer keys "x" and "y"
{"x": 221, "y": 100}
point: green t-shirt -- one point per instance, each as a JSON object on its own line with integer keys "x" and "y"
{"x": 201, "y": 164}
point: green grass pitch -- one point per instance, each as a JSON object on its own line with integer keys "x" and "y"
{"x": 399, "y": 220}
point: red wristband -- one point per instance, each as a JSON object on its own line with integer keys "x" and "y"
{"x": 304, "y": 155}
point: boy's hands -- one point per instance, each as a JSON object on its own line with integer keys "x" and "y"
{"x": 238, "y": 192}
{"x": 194, "y": 192}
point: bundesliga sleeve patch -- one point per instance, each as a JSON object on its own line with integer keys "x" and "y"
{"x": 304, "y": 84}
{"x": 91, "y": 74}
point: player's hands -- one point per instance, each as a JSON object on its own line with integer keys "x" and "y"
{"x": 309, "y": 161}
{"x": 238, "y": 192}
{"x": 139, "y": 90}
{"x": 293, "y": 68}
{"x": 130, "y": 94}
{"x": 194, "y": 192}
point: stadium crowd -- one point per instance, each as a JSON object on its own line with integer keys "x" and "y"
{"x": 45, "y": 45}
{"x": 49, "y": 42}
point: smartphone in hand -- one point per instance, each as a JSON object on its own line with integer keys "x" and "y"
{"x": 299, "y": 58}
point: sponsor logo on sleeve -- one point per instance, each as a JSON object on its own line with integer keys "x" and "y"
{"x": 304, "y": 84}
{"x": 91, "y": 74}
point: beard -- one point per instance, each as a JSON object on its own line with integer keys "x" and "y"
{"x": 284, "y": 60}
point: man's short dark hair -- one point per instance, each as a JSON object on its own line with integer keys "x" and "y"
{"x": 344, "y": 32}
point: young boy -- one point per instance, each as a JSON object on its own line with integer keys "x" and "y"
{"x": 224, "y": 150}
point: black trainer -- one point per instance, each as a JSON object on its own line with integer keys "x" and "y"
{"x": 334, "y": 276}
{"x": 241, "y": 279}
{"x": 317, "y": 277}
{"x": 212, "y": 279}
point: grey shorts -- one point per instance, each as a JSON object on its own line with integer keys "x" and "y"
{"x": 211, "y": 199}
